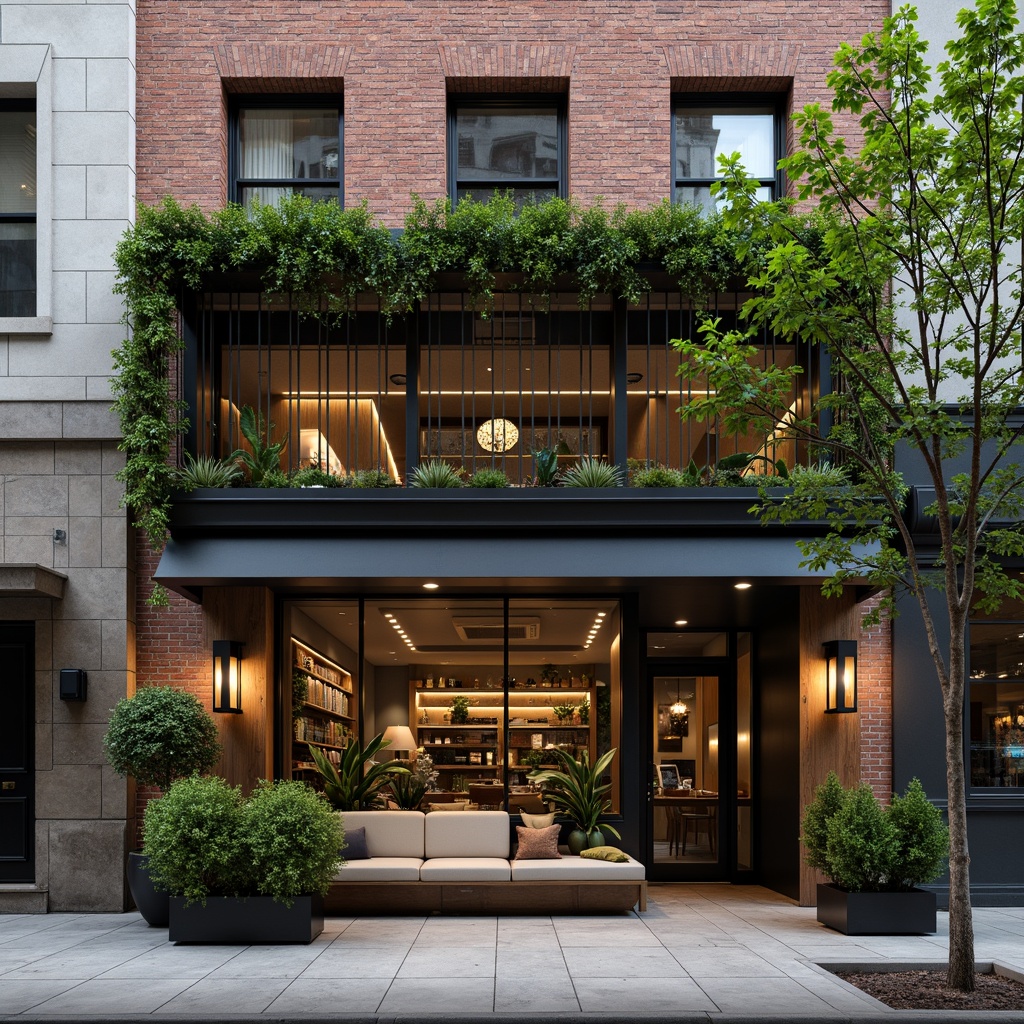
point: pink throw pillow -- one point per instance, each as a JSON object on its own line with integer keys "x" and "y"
{"x": 538, "y": 843}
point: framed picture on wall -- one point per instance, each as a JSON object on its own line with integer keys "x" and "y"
{"x": 669, "y": 741}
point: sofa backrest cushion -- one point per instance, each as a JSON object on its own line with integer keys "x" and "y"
{"x": 388, "y": 833}
{"x": 466, "y": 834}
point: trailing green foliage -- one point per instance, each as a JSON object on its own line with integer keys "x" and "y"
{"x": 202, "y": 839}
{"x": 324, "y": 257}
{"x": 159, "y": 735}
{"x": 576, "y": 787}
{"x": 356, "y": 784}
{"x": 435, "y": 473}
{"x": 863, "y": 847}
{"x": 590, "y": 472}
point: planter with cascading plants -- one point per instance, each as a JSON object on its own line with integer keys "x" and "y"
{"x": 243, "y": 870}
{"x": 876, "y": 858}
{"x": 576, "y": 790}
{"x": 157, "y": 736}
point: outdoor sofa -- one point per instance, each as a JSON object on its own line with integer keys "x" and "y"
{"x": 464, "y": 862}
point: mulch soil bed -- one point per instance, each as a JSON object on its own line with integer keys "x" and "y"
{"x": 926, "y": 990}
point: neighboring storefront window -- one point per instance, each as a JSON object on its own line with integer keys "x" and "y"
{"x": 996, "y": 704}
{"x": 17, "y": 208}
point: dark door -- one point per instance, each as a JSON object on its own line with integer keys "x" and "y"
{"x": 692, "y": 790}
{"x": 17, "y": 756}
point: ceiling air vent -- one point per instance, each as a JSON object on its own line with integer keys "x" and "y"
{"x": 475, "y": 630}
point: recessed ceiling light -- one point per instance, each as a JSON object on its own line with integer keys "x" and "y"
{"x": 601, "y": 615}
{"x": 743, "y": 586}
{"x": 680, "y": 622}
{"x": 431, "y": 586}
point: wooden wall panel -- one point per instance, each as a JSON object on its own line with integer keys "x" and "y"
{"x": 827, "y": 742}
{"x": 245, "y": 614}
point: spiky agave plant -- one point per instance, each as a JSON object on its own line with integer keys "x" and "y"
{"x": 356, "y": 783}
{"x": 435, "y": 473}
{"x": 207, "y": 471}
{"x": 592, "y": 473}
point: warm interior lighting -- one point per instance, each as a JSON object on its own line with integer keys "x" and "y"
{"x": 431, "y": 586}
{"x": 497, "y": 435}
{"x": 841, "y": 676}
{"x": 743, "y": 586}
{"x": 400, "y": 737}
{"x": 227, "y": 676}
{"x": 317, "y": 452}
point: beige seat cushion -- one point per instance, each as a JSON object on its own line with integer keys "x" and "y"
{"x": 466, "y": 834}
{"x": 380, "y": 869}
{"x": 465, "y": 869}
{"x": 575, "y": 869}
{"x": 389, "y": 833}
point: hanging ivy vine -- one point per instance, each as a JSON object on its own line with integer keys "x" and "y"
{"x": 325, "y": 256}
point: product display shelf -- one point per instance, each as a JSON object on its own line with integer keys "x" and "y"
{"x": 326, "y": 711}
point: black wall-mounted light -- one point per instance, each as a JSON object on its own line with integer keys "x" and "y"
{"x": 227, "y": 676}
{"x": 841, "y": 676}
{"x": 73, "y": 683}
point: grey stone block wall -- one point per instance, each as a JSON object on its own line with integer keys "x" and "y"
{"x": 58, "y": 436}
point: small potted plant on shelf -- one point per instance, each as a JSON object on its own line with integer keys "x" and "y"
{"x": 359, "y": 782}
{"x": 460, "y": 710}
{"x": 243, "y": 870}
{"x": 576, "y": 789}
{"x": 875, "y": 858}
{"x": 157, "y": 736}
{"x": 564, "y": 712}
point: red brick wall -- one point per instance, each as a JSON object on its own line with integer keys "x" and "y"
{"x": 874, "y": 700}
{"x": 398, "y": 61}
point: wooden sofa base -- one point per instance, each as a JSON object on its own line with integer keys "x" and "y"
{"x": 554, "y": 897}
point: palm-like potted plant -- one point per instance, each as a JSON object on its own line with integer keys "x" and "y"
{"x": 876, "y": 858}
{"x": 157, "y": 736}
{"x": 243, "y": 870}
{"x": 358, "y": 782}
{"x": 576, "y": 789}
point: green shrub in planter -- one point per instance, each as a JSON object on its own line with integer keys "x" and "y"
{"x": 592, "y": 473}
{"x": 204, "y": 840}
{"x": 159, "y": 735}
{"x": 435, "y": 473}
{"x": 863, "y": 847}
{"x": 489, "y": 478}
{"x": 193, "y": 839}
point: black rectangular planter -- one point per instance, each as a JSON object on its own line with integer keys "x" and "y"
{"x": 877, "y": 913}
{"x": 256, "y": 919}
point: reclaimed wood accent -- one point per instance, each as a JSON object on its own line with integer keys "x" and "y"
{"x": 544, "y": 897}
{"x": 827, "y": 742}
{"x": 245, "y": 614}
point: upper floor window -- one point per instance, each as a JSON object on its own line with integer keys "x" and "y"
{"x": 703, "y": 132}
{"x": 280, "y": 148}
{"x": 517, "y": 146}
{"x": 17, "y": 208}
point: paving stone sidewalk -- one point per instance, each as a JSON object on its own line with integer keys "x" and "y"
{"x": 707, "y": 953}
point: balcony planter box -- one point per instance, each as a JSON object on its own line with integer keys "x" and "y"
{"x": 227, "y": 920}
{"x": 877, "y": 913}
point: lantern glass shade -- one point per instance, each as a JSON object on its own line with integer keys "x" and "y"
{"x": 841, "y": 676}
{"x": 227, "y": 676}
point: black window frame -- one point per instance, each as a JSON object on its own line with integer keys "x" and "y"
{"x": 556, "y": 101}
{"x": 283, "y": 101}
{"x": 25, "y": 105}
{"x": 734, "y": 103}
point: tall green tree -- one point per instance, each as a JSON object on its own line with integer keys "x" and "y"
{"x": 907, "y": 274}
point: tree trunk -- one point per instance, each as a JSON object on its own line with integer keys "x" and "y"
{"x": 961, "y": 924}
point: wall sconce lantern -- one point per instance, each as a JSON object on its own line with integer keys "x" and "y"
{"x": 73, "y": 683}
{"x": 841, "y": 676}
{"x": 227, "y": 676}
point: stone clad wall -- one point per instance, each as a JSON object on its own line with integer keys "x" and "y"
{"x": 58, "y": 437}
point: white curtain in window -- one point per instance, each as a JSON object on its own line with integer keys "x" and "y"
{"x": 268, "y": 148}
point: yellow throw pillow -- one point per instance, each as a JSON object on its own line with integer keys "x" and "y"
{"x": 606, "y": 853}
{"x": 461, "y": 806}
{"x": 538, "y": 820}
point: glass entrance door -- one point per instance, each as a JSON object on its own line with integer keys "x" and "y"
{"x": 687, "y": 795}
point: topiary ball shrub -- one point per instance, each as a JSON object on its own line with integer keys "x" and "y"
{"x": 192, "y": 837}
{"x": 159, "y": 735}
{"x": 292, "y": 837}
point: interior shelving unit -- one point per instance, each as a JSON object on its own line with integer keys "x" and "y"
{"x": 492, "y": 746}
{"x": 327, "y": 718}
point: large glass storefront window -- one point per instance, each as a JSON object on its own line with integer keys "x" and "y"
{"x": 487, "y": 698}
{"x": 996, "y": 712}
